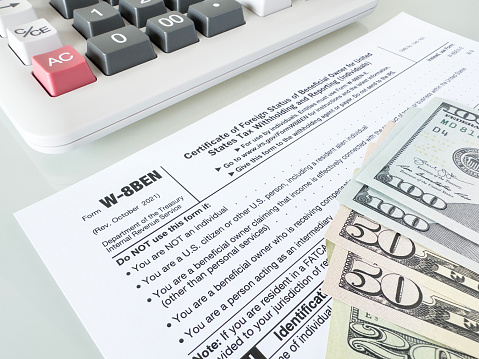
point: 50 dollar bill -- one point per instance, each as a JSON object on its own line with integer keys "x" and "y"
{"x": 377, "y": 243}
{"x": 398, "y": 299}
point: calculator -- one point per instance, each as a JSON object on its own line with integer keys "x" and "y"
{"x": 73, "y": 71}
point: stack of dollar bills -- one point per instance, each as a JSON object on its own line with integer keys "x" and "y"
{"x": 404, "y": 246}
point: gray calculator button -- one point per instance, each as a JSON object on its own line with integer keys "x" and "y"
{"x": 113, "y": 2}
{"x": 212, "y": 17}
{"x": 137, "y": 12}
{"x": 119, "y": 49}
{"x": 66, "y": 7}
{"x": 180, "y": 5}
{"x": 171, "y": 31}
{"x": 96, "y": 19}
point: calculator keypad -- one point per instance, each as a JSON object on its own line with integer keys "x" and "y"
{"x": 111, "y": 45}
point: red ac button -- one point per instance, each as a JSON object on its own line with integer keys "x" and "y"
{"x": 66, "y": 56}
{"x": 62, "y": 70}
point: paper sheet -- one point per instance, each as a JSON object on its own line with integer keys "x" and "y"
{"x": 209, "y": 243}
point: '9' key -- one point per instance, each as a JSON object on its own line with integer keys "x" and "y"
{"x": 119, "y": 49}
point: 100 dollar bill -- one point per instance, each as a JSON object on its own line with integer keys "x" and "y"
{"x": 356, "y": 334}
{"x": 432, "y": 166}
{"x": 398, "y": 299}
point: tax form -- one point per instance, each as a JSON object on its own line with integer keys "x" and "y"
{"x": 209, "y": 243}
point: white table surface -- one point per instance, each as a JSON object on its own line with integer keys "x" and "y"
{"x": 36, "y": 321}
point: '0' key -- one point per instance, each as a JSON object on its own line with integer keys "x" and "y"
{"x": 119, "y": 49}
